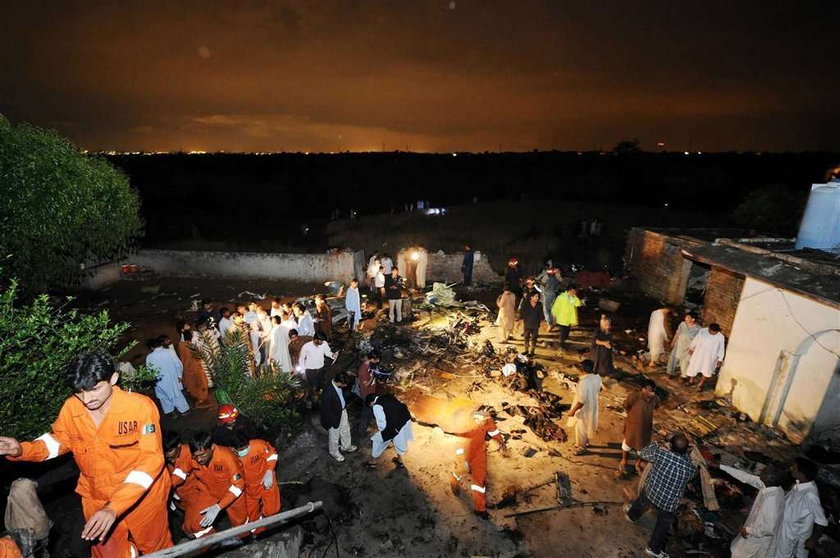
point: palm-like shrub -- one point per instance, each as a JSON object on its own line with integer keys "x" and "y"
{"x": 267, "y": 395}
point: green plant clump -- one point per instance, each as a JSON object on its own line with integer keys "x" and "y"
{"x": 267, "y": 395}
{"x": 38, "y": 341}
{"x": 59, "y": 209}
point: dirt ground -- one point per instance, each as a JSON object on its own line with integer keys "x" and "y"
{"x": 411, "y": 512}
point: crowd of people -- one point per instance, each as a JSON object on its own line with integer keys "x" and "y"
{"x": 131, "y": 471}
{"x": 786, "y": 518}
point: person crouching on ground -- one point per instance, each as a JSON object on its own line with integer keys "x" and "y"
{"x": 259, "y": 462}
{"x": 393, "y": 420}
{"x": 334, "y": 417}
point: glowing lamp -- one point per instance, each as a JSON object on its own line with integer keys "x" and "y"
{"x": 415, "y": 255}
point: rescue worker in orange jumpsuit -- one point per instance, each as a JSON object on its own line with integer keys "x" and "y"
{"x": 9, "y": 549}
{"x": 472, "y": 458}
{"x": 115, "y": 439}
{"x": 259, "y": 461}
{"x": 186, "y": 489}
{"x": 220, "y": 479}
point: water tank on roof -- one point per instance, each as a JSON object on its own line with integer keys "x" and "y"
{"x": 820, "y": 226}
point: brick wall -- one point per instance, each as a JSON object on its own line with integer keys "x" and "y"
{"x": 656, "y": 261}
{"x": 723, "y": 291}
{"x": 447, "y": 268}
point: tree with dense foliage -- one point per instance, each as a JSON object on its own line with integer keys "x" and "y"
{"x": 59, "y": 208}
{"x": 38, "y": 340}
{"x": 773, "y": 209}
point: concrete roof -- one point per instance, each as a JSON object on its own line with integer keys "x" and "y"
{"x": 823, "y": 288}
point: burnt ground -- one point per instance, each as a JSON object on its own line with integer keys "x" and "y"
{"x": 411, "y": 512}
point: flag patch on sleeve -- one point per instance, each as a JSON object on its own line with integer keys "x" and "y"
{"x": 148, "y": 429}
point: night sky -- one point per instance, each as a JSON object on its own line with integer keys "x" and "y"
{"x": 424, "y": 76}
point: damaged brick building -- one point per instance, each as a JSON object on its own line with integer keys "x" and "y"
{"x": 779, "y": 308}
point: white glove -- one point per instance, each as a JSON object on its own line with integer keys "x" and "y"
{"x": 210, "y": 514}
{"x": 268, "y": 479}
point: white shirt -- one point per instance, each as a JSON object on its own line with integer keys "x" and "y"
{"x": 250, "y": 317}
{"x": 763, "y": 518}
{"x": 387, "y": 264}
{"x": 224, "y": 325}
{"x": 305, "y": 325}
{"x": 312, "y": 355}
{"x": 802, "y": 510}
{"x": 707, "y": 350}
{"x": 379, "y": 280}
{"x": 586, "y": 392}
{"x": 275, "y": 312}
{"x": 352, "y": 301}
{"x": 340, "y": 395}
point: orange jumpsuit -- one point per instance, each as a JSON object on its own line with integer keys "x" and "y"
{"x": 473, "y": 457}
{"x": 186, "y": 487}
{"x": 261, "y": 502}
{"x": 8, "y": 548}
{"x": 120, "y": 464}
{"x": 221, "y": 482}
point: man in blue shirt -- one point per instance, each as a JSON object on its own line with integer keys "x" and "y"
{"x": 670, "y": 472}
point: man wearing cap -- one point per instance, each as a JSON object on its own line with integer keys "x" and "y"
{"x": 230, "y": 421}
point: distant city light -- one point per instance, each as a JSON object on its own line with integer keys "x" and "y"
{"x": 686, "y": 153}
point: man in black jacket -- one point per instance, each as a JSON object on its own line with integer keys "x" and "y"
{"x": 393, "y": 290}
{"x": 393, "y": 420}
{"x": 334, "y": 416}
{"x": 532, "y": 314}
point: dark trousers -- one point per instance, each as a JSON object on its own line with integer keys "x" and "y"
{"x": 467, "y": 278}
{"x": 564, "y": 334}
{"x": 530, "y": 334}
{"x": 314, "y": 382}
{"x": 365, "y": 415}
{"x": 664, "y": 520}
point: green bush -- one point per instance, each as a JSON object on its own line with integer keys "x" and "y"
{"x": 38, "y": 341}
{"x": 59, "y": 208}
{"x": 267, "y": 395}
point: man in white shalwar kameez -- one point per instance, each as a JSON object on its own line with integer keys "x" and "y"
{"x": 707, "y": 350}
{"x": 394, "y": 423}
{"x": 168, "y": 387}
{"x": 686, "y": 332}
{"x": 756, "y": 535}
{"x": 657, "y": 334}
{"x": 305, "y": 325}
{"x": 585, "y": 407}
{"x": 353, "y": 304}
{"x": 803, "y": 519}
{"x": 279, "y": 345}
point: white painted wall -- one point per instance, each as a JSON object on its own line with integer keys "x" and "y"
{"x": 769, "y": 320}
